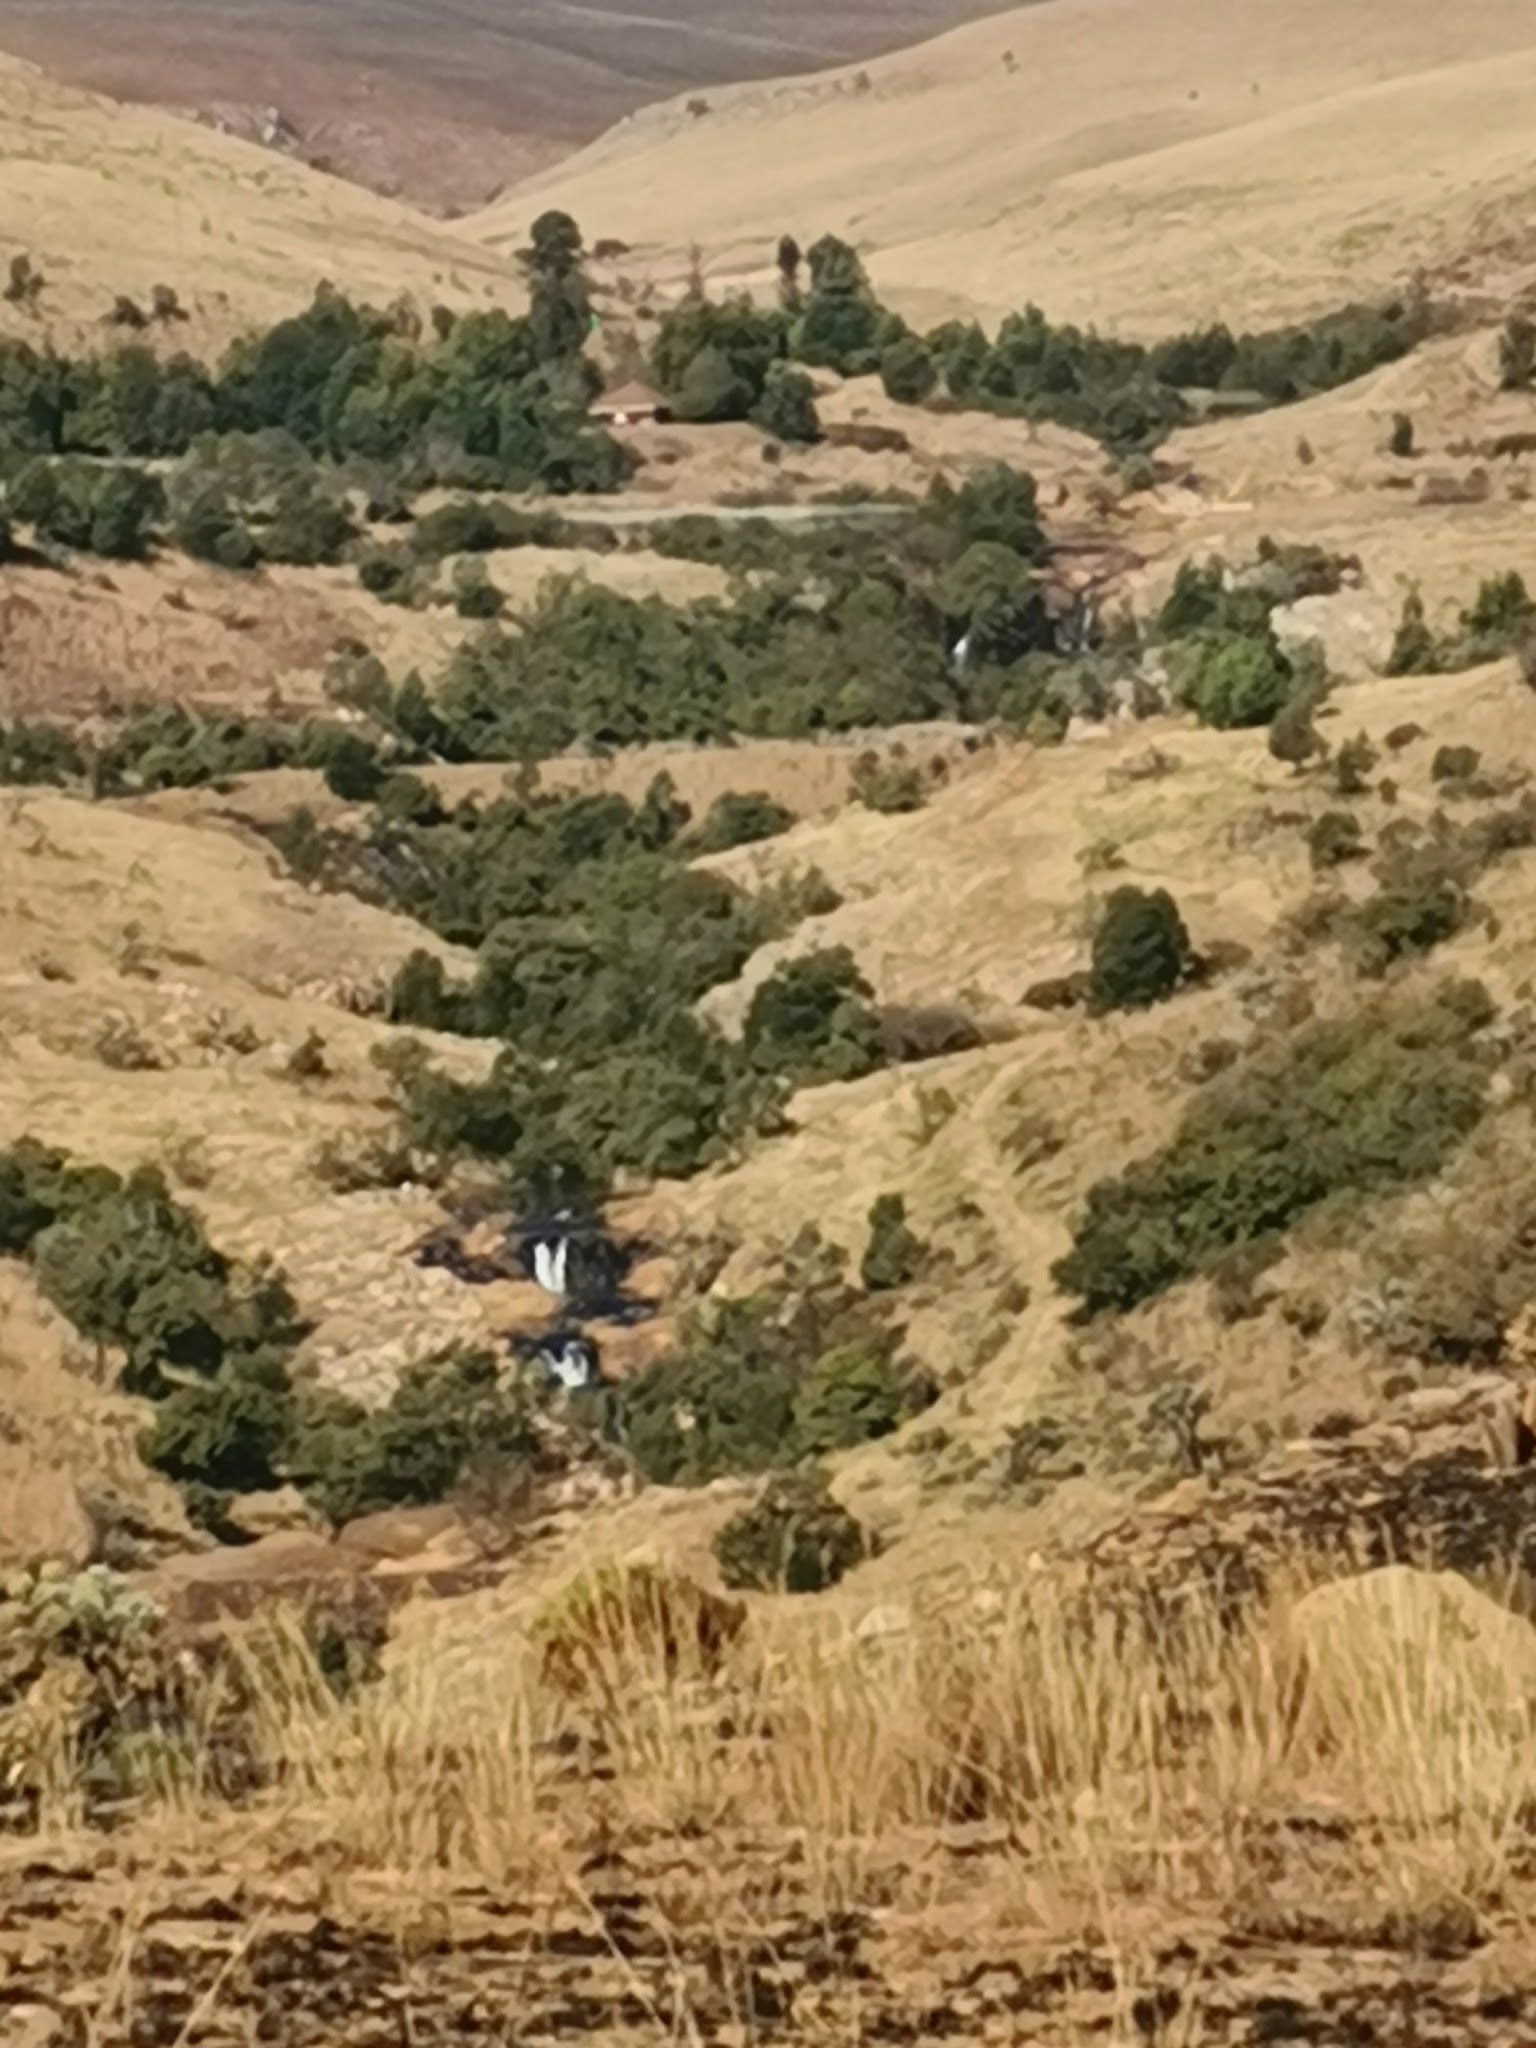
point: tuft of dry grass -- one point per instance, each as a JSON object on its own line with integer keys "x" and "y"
{"x": 1105, "y": 1758}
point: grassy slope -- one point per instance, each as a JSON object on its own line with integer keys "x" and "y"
{"x": 112, "y": 199}
{"x": 1142, "y": 166}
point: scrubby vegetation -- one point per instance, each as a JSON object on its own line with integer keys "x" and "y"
{"x": 715, "y": 358}
{"x": 1141, "y": 950}
{"x": 210, "y": 1343}
{"x": 1334, "y": 1111}
{"x": 801, "y": 1369}
{"x": 480, "y": 400}
{"x": 795, "y": 1538}
{"x": 1497, "y": 622}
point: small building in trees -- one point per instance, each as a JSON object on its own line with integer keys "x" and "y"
{"x": 631, "y": 404}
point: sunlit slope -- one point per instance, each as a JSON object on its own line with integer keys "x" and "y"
{"x": 107, "y": 199}
{"x": 1142, "y": 163}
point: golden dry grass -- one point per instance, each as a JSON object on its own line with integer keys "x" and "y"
{"x": 1102, "y": 1765}
{"x": 111, "y": 199}
{"x": 1144, "y": 168}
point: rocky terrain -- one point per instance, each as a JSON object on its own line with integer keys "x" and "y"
{"x": 767, "y": 1240}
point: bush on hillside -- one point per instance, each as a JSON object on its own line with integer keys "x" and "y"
{"x": 812, "y": 1021}
{"x": 894, "y": 1252}
{"x": 795, "y": 1538}
{"x": 442, "y": 1417}
{"x": 888, "y": 783}
{"x": 908, "y": 372}
{"x": 787, "y": 409}
{"x": 1337, "y": 1109}
{"x": 1141, "y": 951}
{"x": 1231, "y": 679}
{"x": 754, "y": 1383}
{"x": 739, "y": 818}
{"x": 1334, "y": 838}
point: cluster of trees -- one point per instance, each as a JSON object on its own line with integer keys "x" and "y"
{"x": 1334, "y": 1110}
{"x": 1500, "y": 620}
{"x": 210, "y": 1342}
{"x": 88, "y": 507}
{"x": 595, "y": 940}
{"x": 1214, "y": 629}
{"x": 804, "y": 1368}
{"x": 479, "y": 400}
{"x": 728, "y": 359}
{"x": 169, "y": 746}
{"x": 862, "y": 638}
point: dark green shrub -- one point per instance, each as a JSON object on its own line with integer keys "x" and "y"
{"x": 1293, "y": 735}
{"x": 224, "y": 1435}
{"x": 795, "y": 1538}
{"x": 854, "y": 1394}
{"x": 740, "y": 818}
{"x": 811, "y": 1019}
{"x": 1230, "y": 679}
{"x": 999, "y": 505}
{"x": 757, "y": 1382}
{"x": 1334, "y": 838}
{"x": 1455, "y": 764}
{"x": 894, "y": 1252}
{"x": 787, "y": 408}
{"x": 353, "y": 1461}
{"x": 887, "y": 783}
{"x": 1141, "y": 951}
{"x": 351, "y": 767}
{"x": 32, "y": 751}
{"x": 1420, "y": 903}
{"x": 1400, "y": 439}
{"x": 475, "y": 596}
{"x": 1352, "y": 765}
{"x": 1336, "y": 1109}
{"x": 1415, "y": 650}
{"x": 908, "y": 371}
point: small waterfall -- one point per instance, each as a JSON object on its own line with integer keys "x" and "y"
{"x": 571, "y": 1364}
{"x": 566, "y": 1358}
{"x": 551, "y": 1261}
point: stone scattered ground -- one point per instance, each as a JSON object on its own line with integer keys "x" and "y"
{"x": 93, "y": 1950}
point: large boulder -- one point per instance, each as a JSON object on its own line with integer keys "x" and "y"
{"x": 1394, "y": 1662}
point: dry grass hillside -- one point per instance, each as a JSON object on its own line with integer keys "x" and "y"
{"x": 1146, "y": 168}
{"x": 109, "y": 199}
{"x": 1087, "y": 1599}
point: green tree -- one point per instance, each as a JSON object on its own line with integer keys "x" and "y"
{"x": 1230, "y": 679}
{"x": 713, "y": 388}
{"x": 351, "y": 768}
{"x": 811, "y": 1019}
{"x": 794, "y": 1539}
{"x": 894, "y": 1252}
{"x": 123, "y": 507}
{"x": 787, "y": 408}
{"x": 999, "y": 504}
{"x": 1141, "y": 950}
{"x": 908, "y": 372}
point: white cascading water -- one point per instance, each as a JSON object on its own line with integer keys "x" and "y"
{"x": 570, "y": 1364}
{"x": 549, "y": 1264}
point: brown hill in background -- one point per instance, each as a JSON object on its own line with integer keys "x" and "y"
{"x": 1143, "y": 167}
{"x": 443, "y": 101}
